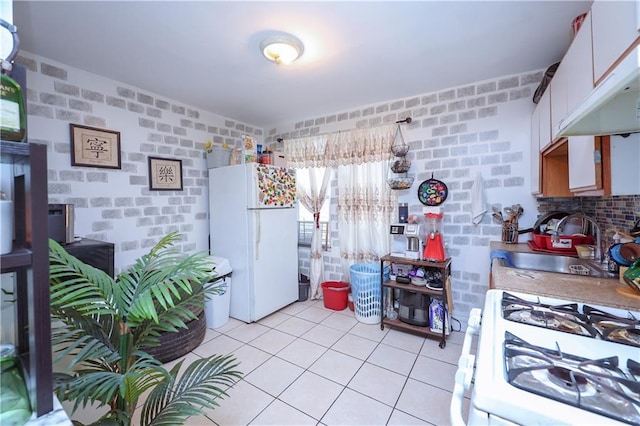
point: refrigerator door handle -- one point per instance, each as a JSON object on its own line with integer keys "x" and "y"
{"x": 257, "y": 237}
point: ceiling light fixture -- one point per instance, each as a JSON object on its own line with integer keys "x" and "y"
{"x": 282, "y": 49}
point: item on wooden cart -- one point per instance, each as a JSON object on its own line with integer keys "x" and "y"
{"x": 411, "y": 231}
{"x": 433, "y": 245}
{"x": 438, "y": 316}
{"x": 414, "y": 308}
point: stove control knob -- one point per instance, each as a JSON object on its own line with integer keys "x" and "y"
{"x": 475, "y": 316}
{"x": 464, "y": 374}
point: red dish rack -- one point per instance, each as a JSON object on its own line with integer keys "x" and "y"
{"x": 560, "y": 244}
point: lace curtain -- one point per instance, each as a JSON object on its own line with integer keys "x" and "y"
{"x": 312, "y": 198}
{"x": 356, "y": 146}
{"x": 365, "y": 210}
{"x": 365, "y": 201}
{"x": 306, "y": 152}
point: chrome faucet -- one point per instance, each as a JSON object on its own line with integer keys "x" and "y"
{"x": 598, "y": 253}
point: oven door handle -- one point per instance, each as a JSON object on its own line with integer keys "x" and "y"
{"x": 464, "y": 373}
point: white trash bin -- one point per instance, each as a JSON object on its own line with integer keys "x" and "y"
{"x": 217, "y": 308}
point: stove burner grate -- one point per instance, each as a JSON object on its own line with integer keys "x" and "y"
{"x": 614, "y": 328}
{"x": 564, "y": 318}
{"x": 599, "y": 386}
{"x": 591, "y": 322}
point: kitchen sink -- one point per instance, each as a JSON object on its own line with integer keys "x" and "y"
{"x": 554, "y": 263}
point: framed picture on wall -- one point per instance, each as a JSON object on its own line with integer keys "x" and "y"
{"x": 93, "y": 147}
{"x": 165, "y": 174}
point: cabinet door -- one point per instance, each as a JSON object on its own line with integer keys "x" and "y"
{"x": 559, "y": 101}
{"x": 545, "y": 120}
{"x": 584, "y": 164}
{"x": 579, "y": 62}
{"x": 535, "y": 151}
{"x": 615, "y": 27}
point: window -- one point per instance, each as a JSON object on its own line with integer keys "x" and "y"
{"x": 305, "y": 231}
{"x": 305, "y": 217}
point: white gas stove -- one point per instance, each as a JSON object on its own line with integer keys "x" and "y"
{"x": 548, "y": 361}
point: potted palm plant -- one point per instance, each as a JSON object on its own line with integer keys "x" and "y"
{"x": 101, "y": 326}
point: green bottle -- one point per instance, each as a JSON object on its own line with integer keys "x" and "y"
{"x": 13, "y": 121}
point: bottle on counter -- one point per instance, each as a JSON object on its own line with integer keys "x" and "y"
{"x": 13, "y": 121}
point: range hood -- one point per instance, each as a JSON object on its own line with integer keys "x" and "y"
{"x": 613, "y": 107}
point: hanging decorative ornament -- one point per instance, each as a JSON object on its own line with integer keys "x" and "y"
{"x": 12, "y": 120}
{"x": 432, "y": 192}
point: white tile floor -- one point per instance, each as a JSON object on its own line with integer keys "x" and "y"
{"x": 308, "y": 365}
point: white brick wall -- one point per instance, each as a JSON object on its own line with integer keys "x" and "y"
{"x": 454, "y": 133}
{"x": 482, "y": 126}
{"x": 116, "y": 205}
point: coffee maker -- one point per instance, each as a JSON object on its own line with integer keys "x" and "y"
{"x": 411, "y": 233}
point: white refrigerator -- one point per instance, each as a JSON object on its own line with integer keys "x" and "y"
{"x": 253, "y": 223}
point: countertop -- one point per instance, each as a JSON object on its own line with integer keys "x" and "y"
{"x": 599, "y": 291}
{"x": 57, "y": 417}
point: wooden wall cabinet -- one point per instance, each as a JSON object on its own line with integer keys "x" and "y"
{"x": 555, "y": 171}
{"x": 577, "y": 166}
{"x": 581, "y": 165}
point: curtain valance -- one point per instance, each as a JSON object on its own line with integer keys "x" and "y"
{"x": 356, "y": 146}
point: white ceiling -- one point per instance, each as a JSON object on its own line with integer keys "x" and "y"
{"x": 205, "y": 54}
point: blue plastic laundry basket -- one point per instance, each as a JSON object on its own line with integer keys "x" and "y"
{"x": 365, "y": 290}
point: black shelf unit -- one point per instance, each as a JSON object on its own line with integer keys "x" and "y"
{"x": 29, "y": 260}
{"x": 445, "y": 267}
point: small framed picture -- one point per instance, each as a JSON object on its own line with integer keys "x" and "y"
{"x": 165, "y": 174}
{"x": 93, "y": 147}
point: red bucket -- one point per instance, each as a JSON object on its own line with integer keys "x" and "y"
{"x": 335, "y": 295}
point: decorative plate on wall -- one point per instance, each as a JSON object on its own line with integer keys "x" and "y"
{"x": 432, "y": 192}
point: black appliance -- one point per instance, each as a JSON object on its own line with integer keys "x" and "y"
{"x": 61, "y": 223}
{"x": 414, "y": 308}
{"x": 98, "y": 254}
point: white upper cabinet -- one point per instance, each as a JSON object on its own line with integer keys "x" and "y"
{"x": 545, "y": 120}
{"x": 625, "y": 155}
{"x": 535, "y": 151}
{"x": 559, "y": 100}
{"x": 615, "y": 27}
{"x": 583, "y": 170}
{"x": 573, "y": 80}
{"x": 579, "y": 60}
{"x": 540, "y": 139}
